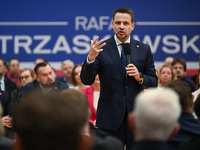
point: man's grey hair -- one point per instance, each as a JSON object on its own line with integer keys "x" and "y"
{"x": 156, "y": 113}
{"x": 66, "y": 62}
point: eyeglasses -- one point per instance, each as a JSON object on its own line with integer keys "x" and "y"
{"x": 25, "y": 77}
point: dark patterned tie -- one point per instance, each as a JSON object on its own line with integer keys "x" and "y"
{"x": 123, "y": 57}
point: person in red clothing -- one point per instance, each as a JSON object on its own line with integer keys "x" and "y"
{"x": 92, "y": 94}
{"x": 13, "y": 75}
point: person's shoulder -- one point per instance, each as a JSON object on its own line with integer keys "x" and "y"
{"x": 139, "y": 44}
{"x": 108, "y": 143}
{"x": 31, "y": 84}
{"x": 60, "y": 84}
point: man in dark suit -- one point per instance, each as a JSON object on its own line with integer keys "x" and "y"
{"x": 6, "y": 87}
{"x": 118, "y": 87}
{"x": 154, "y": 119}
{"x": 44, "y": 82}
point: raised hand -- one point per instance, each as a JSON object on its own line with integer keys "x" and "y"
{"x": 95, "y": 48}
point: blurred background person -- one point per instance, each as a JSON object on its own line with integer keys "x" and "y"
{"x": 25, "y": 76}
{"x": 189, "y": 126}
{"x": 14, "y": 70}
{"x": 197, "y": 92}
{"x": 75, "y": 77}
{"x": 50, "y": 122}
{"x": 39, "y": 60}
{"x": 166, "y": 74}
{"x": 154, "y": 119}
{"x": 179, "y": 67}
{"x": 193, "y": 144}
{"x": 169, "y": 60}
{"x": 92, "y": 94}
{"x": 5, "y": 143}
{"x": 67, "y": 67}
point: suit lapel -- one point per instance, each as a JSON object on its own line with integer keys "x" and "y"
{"x": 114, "y": 53}
{"x": 134, "y": 50}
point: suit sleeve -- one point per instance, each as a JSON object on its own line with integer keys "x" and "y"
{"x": 150, "y": 78}
{"x": 88, "y": 72}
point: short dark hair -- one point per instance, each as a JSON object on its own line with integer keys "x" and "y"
{"x": 44, "y": 60}
{"x": 43, "y": 64}
{"x": 11, "y": 60}
{"x": 125, "y": 10}
{"x": 181, "y": 61}
{"x": 197, "y": 79}
{"x": 74, "y": 83}
{"x": 184, "y": 92}
{"x": 50, "y": 121}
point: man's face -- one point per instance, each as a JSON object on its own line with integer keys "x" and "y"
{"x": 14, "y": 67}
{"x": 122, "y": 26}
{"x": 2, "y": 68}
{"x": 45, "y": 77}
{"x": 179, "y": 70}
{"x": 67, "y": 70}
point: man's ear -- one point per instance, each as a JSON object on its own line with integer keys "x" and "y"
{"x": 175, "y": 130}
{"x": 131, "y": 121}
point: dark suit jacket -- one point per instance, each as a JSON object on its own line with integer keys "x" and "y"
{"x": 118, "y": 91}
{"x": 151, "y": 145}
{"x": 4, "y": 102}
{"x": 9, "y": 85}
{"x": 34, "y": 86}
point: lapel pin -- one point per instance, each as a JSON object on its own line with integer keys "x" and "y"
{"x": 137, "y": 45}
{"x": 56, "y": 88}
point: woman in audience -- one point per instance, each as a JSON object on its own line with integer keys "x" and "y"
{"x": 197, "y": 92}
{"x": 76, "y": 80}
{"x": 25, "y": 76}
{"x": 166, "y": 74}
{"x": 92, "y": 94}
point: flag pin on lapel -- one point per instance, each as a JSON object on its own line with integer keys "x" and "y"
{"x": 137, "y": 45}
{"x": 56, "y": 88}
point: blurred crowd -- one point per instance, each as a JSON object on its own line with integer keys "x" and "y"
{"x": 43, "y": 111}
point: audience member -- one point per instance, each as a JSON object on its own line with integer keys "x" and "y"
{"x": 49, "y": 122}
{"x": 92, "y": 94}
{"x": 193, "y": 144}
{"x": 197, "y": 92}
{"x": 7, "y": 86}
{"x": 5, "y": 143}
{"x": 14, "y": 70}
{"x": 44, "y": 82}
{"x": 67, "y": 67}
{"x": 179, "y": 67}
{"x": 105, "y": 142}
{"x": 39, "y": 60}
{"x": 155, "y": 119}
{"x": 166, "y": 74}
{"x": 189, "y": 126}
{"x": 25, "y": 76}
{"x": 194, "y": 78}
{"x": 169, "y": 60}
{"x": 75, "y": 77}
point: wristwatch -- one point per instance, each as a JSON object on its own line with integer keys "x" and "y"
{"x": 141, "y": 77}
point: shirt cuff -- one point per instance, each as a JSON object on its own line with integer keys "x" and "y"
{"x": 89, "y": 62}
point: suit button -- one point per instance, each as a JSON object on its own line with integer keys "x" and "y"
{"x": 124, "y": 97}
{"x": 126, "y": 87}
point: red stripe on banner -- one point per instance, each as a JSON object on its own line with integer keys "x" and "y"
{"x": 191, "y": 72}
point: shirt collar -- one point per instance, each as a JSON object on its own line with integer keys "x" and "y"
{"x": 2, "y": 80}
{"x": 118, "y": 42}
